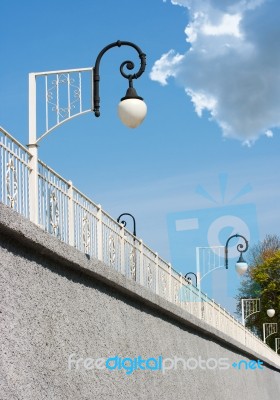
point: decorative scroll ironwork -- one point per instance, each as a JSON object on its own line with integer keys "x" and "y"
{"x": 163, "y": 283}
{"x": 11, "y": 183}
{"x": 149, "y": 276}
{"x": 132, "y": 264}
{"x": 217, "y": 322}
{"x": 66, "y": 95}
{"x": 202, "y": 309}
{"x": 53, "y": 97}
{"x": 86, "y": 234}
{"x": 176, "y": 293}
{"x": 112, "y": 250}
{"x": 54, "y": 214}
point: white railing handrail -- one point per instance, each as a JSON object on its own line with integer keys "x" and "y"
{"x": 6, "y": 133}
{"x": 61, "y": 71}
{"x": 52, "y": 171}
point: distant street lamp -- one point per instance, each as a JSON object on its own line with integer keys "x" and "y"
{"x": 252, "y": 306}
{"x": 241, "y": 266}
{"x": 189, "y": 280}
{"x": 270, "y": 312}
{"x": 272, "y": 301}
{"x": 124, "y": 222}
{"x": 132, "y": 255}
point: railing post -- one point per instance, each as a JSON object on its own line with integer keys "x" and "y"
{"x": 213, "y": 313}
{"x": 198, "y": 267}
{"x": 71, "y": 227}
{"x": 99, "y": 234}
{"x": 122, "y": 256}
{"x": 170, "y": 283}
{"x": 141, "y": 263}
{"x": 157, "y": 277}
{"x": 242, "y": 310}
{"x": 33, "y": 148}
{"x": 33, "y": 185}
{"x": 181, "y": 289}
{"x": 226, "y": 322}
{"x": 200, "y": 303}
{"x": 219, "y": 316}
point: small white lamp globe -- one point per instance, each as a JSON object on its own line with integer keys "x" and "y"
{"x": 241, "y": 267}
{"x": 132, "y": 112}
{"x": 270, "y": 312}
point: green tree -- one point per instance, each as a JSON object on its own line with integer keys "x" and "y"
{"x": 262, "y": 280}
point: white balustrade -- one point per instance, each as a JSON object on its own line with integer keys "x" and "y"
{"x": 68, "y": 214}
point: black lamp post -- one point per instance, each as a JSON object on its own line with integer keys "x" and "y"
{"x": 132, "y": 109}
{"x": 124, "y": 222}
{"x": 189, "y": 279}
{"x": 241, "y": 265}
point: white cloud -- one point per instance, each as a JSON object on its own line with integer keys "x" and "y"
{"x": 165, "y": 67}
{"x": 231, "y": 64}
{"x": 269, "y": 133}
{"x": 202, "y": 101}
{"x": 229, "y": 25}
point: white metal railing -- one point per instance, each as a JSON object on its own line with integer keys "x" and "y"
{"x": 66, "y": 213}
{"x": 249, "y": 307}
{"x": 14, "y": 173}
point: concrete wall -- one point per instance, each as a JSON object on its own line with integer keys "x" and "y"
{"x": 56, "y": 302}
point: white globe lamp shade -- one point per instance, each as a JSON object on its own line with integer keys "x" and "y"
{"x": 132, "y": 112}
{"x": 241, "y": 267}
{"x": 270, "y": 312}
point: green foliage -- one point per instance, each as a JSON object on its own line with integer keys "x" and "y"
{"x": 262, "y": 280}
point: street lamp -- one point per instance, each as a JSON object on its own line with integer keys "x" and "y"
{"x": 63, "y": 106}
{"x": 124, "y": 222}
{"x": 271, "y": 311}
{"x": 270, "y": 328}
{"x": 189, "y": 280}
{"x": 241, "y": 266}
{"x": 132, "y": 109}
{"x": 133, "y": 255}
{"x": 252, "y": 306}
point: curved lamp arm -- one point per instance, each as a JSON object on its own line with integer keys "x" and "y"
{"x": 124, "y": 222}
{"x": 192, "y": 273}
{"x": 131, "y": 92}
{"x": 239, "y": 248}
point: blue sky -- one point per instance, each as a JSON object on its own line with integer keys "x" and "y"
{"x": 212, "y": 101}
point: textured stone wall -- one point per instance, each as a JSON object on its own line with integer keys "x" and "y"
{"x": 56, "y": 302}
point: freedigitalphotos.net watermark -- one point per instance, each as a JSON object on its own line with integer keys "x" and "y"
{"x": 163, "y": 364}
